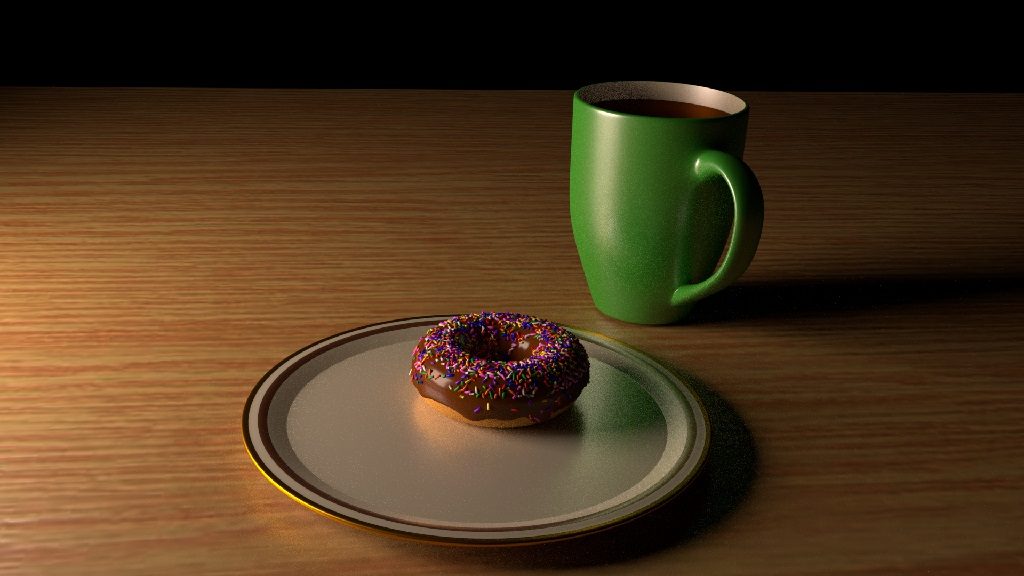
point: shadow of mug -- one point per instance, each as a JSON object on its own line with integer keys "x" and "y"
{"x": 789, "y": 300}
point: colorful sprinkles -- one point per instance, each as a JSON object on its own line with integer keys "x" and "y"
{"x": 497, "y": 356}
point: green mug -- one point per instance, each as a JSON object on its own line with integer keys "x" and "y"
{"x": 656, "y": 184}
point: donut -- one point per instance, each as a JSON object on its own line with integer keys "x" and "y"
{"x": 499, "y": 369}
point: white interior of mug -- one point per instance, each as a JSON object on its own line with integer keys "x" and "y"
{"x": 636, "y": 90}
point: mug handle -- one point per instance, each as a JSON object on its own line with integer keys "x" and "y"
{"x": 748, "y": 217}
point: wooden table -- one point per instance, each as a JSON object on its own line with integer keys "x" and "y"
{"x": 161, "y": 249}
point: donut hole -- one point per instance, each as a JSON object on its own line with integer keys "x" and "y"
{"x": 495, "y": 345}
{"x": 521, "y": 349}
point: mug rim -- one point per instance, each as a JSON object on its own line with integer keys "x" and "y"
{"x": 594, "y": 94}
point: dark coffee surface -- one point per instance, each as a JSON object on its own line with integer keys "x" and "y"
{"x": 662, "y": 108}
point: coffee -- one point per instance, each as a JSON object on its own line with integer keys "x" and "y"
{"x": 661, "y": 108}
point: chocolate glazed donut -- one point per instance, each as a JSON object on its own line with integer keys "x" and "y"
{"x": 500, "y": 369}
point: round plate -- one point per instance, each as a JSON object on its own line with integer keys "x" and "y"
{"x": 339, "y": 427}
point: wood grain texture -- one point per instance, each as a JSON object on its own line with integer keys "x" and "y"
{"x": 161, "y": 249}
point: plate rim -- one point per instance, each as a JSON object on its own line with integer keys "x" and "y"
{"x": 702, "y": 426}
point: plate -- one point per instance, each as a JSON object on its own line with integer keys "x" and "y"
{"x": 339, "y": 428}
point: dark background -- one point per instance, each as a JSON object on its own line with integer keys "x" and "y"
{"x": 853, "y": 48}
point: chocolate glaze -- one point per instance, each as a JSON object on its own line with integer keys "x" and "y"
{"x": 471, "y": 394}
{"x": 436, "y": 387}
